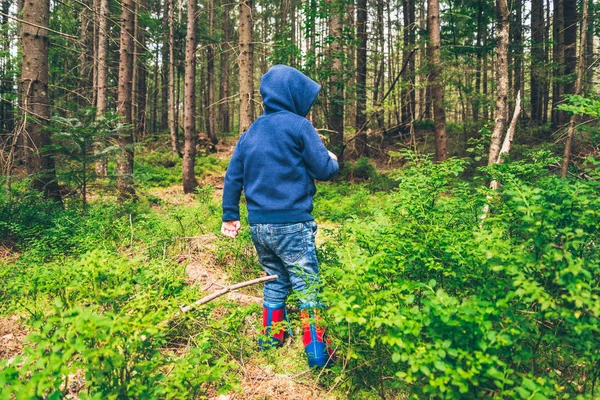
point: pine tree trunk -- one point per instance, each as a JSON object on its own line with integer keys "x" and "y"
{"x": 211, "y": 121}
{"x": 538, "y": 63}
{"x": 34, "y": 89}
{"x": 164, "y": 70}
{"x": 101, "y": 164}
{"x": 570, "y": 45}
{"x": 408, "y": 100}
{"x": 518, "y": 48}
{"x": 246, "y": 65}
{"x": 578, "y": 87}
{"x": 189, "y": 101}
{"x": 558, "y": 117}
{"x": 173, "y": 104}
{"x": 437, "y": 87}
{"x": 225, "y": 70}
{"x": 478, "y": 65}
{"x": 336, "y": 80}
{"x": 502, "y": 76}
{"x": 361, "y": 78}
{"x": 124, "y": 102}
{"x": 6, "y": 85}
{"x": 139, "y": 101}
{"x": 86, "y": 56}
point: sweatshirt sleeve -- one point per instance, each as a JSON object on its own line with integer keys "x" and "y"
{"x": 234, "y": 183}
{"x": 318, "y": 161}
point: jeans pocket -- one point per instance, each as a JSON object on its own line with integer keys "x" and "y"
{"x": 291, "y": 244}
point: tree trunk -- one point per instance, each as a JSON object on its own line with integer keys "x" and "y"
{"x": 578, "y": 86}
{"x": 538, "y": 63}
{"x": 6, "y": 85}
{"x": 361, "y": 77}
{"x": 164, "y": 70}
{"x": 558, "y": 117}
{"x": 246, "y": 65}
{"x": 477, "y": 98}
{"x": 570, "y": 45}
{"x": 437, "y": 87}
{"x": 336, "y": 80}
{"x": 101, "y": 164}
{"x": 408, "y": 100}
{"x": 211, "y": 125}
{"x": 86, "y": 56}
{"x": 518, "y": 48}
{"x": 224, "y": 84}
{"x": 141, "y": 76}
{"x": 173, "y": 105}
{"x": 34, "y": 87}
{"x": 124, "y": 100}
{"x": 189, "y": 126}
{"x": 502, "y": 76}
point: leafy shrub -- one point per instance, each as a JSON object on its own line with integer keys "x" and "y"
{"x": 103, "y": 324}
{"x": 451, "y": 309}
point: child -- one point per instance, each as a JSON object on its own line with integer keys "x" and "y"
{"x": 276, "y": 162}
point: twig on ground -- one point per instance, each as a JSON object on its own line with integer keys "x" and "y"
{"x": 215, "y": 295}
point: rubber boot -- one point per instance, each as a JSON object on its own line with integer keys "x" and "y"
{"x": 316, "y": 345}
{"x": 273, "y": 314}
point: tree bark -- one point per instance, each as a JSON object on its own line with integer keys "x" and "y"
{"x": 211, "y": 125}
{"x": 140, "y": 81}
{"x": 336, "y": 80}
{"x": 173, "y": 104}
{"x": 101, "y": 164}
{"x": 408, "y": 103}
{"x": 538, "y": 62}
{"x": 570, "y": 45}
{"x": 558, "y": 117}
{"x": 34, "y": 89}
{"x": 124, "y": 100}
{"x": 6, "y": 85}
{"x": 246, "y": 65}
{"x": 578, "y": 86}
{"x": 225, "y": 70}
{"x": 502, "y": 77}
{"x": 437, "y": 87}
{"x": 164, "y": 70}
{"x": 189, "y": 131}
{"x": 361, "y": 77}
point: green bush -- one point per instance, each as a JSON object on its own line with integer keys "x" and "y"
{"x": 450, "y": 308}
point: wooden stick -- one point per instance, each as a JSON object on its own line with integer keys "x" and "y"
{"x": 214, "y": 295}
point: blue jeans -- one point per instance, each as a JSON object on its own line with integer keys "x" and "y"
{"x": 288, "y": 251}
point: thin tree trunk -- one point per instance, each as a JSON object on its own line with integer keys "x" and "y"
{"x": 101, "y": 164}
{"x": 189, "y": 125}
{"x": 437, "y": 87}
{"x": 139, "y": 117}
{"x": 502, "y": 76}
{"x": 164, "y": 70}
{"x": 336, "y": 82}
{"x": 570, "y": 45}
{"x": 34, "y": 89}
{"x": 211, "y": 123}
{"x": 361, "y": 77}
{"x": 558, "y": 116}
{"x": 173, "y": 104}
{"x": 518, "y": 52}
{"x": 124, "y": 100}
{"x": 477, "y": 98}
{"x": 224, "y": 86}
{"x": 538, "y": 63}
{"x": 246, "y": 65}
{"x": 578, "y": 86}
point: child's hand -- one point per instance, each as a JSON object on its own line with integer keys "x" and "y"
{"x": 230, "y": 228}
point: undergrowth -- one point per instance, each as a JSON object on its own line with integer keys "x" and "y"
{"x": 425, "y": 298}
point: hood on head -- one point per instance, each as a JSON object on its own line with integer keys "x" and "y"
{"x": 285, "y": 88}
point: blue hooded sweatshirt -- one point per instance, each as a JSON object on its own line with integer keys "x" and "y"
{"x": 278, "y": 158}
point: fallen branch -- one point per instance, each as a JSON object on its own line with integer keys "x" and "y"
{"x": 214, "y": 295}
